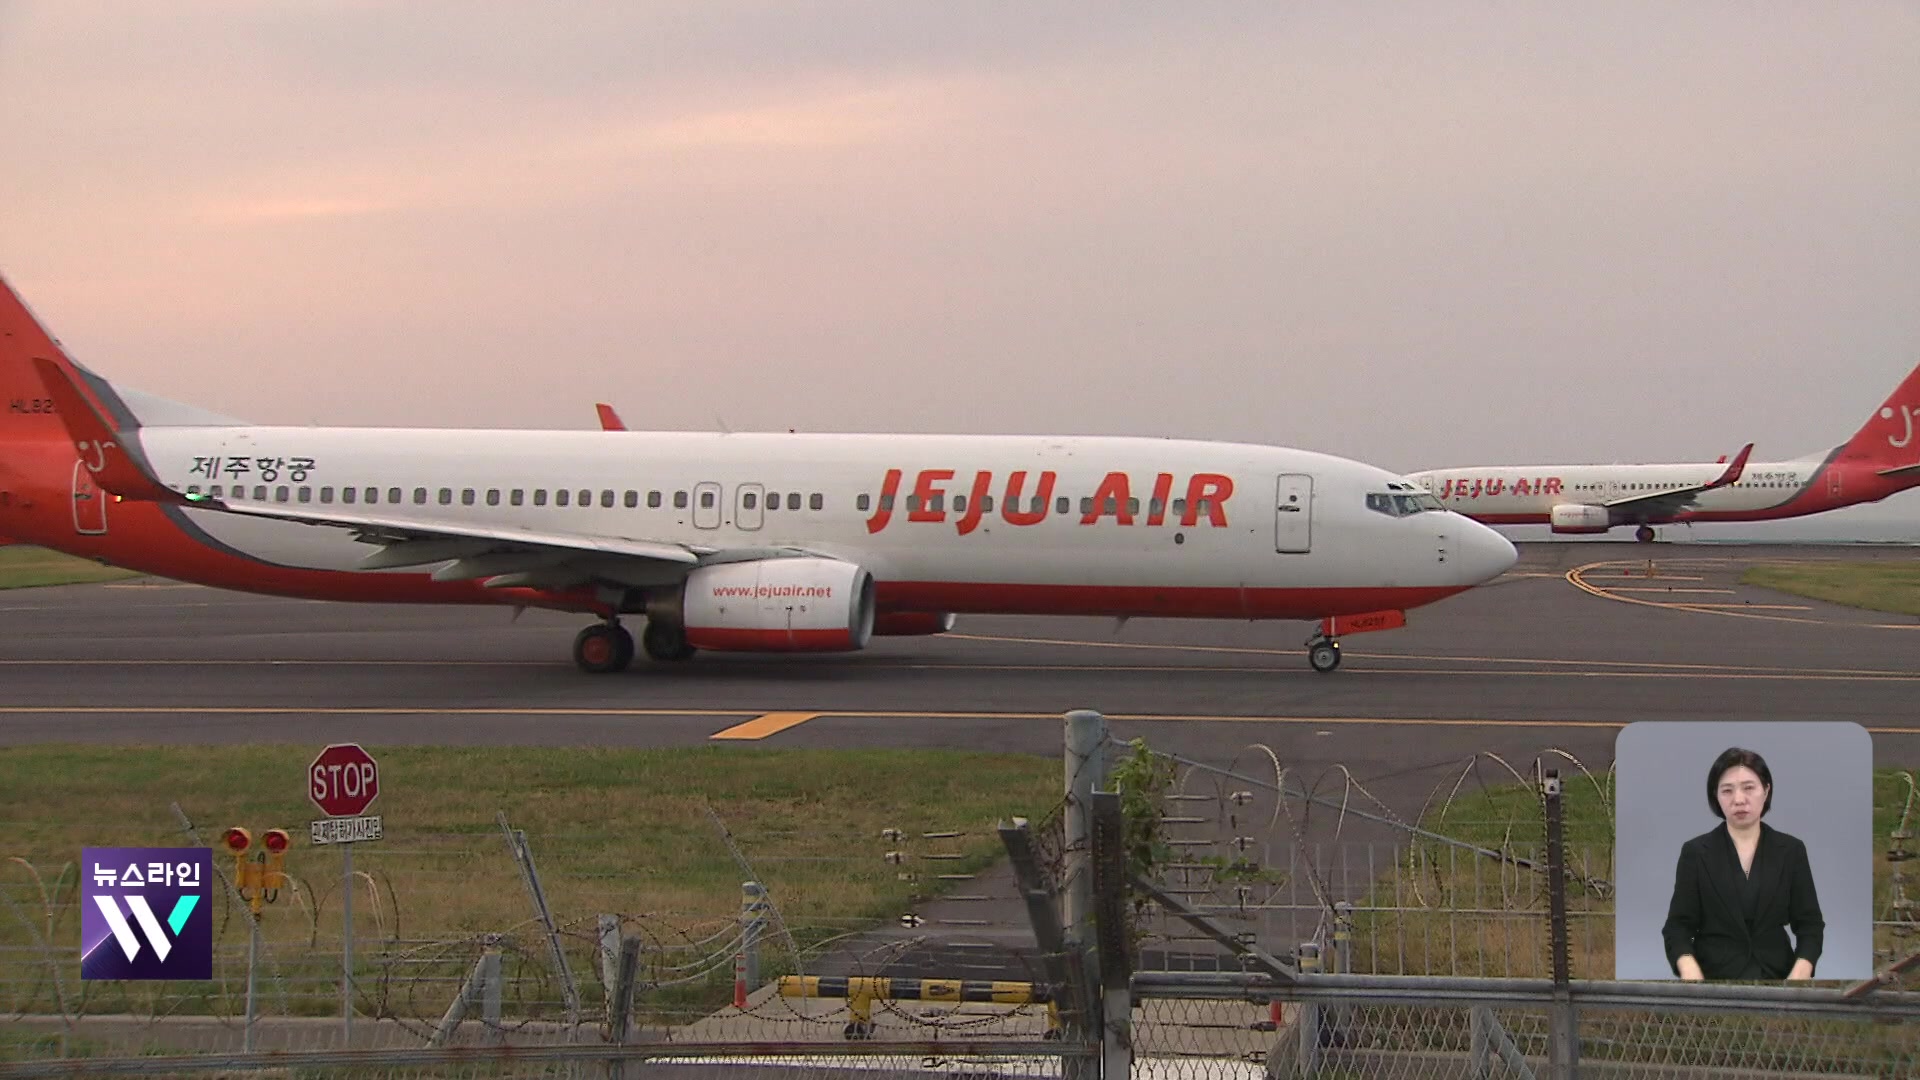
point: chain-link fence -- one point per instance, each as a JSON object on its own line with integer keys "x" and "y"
{"x": 1388, "y": 1026}
{"x": 1265, "y": 927}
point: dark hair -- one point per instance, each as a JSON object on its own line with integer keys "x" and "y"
{"x": 1733, "y": 758}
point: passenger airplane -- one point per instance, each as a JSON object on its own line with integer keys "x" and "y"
{"x": 744, "y": 542}
{"x": 1881, "y": 459}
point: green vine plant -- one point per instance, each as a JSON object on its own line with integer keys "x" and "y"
{"x": 1143, "y": 780}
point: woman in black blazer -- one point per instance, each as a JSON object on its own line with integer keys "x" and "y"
{"x": 1738, "y": 888}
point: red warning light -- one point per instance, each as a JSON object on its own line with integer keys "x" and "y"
{"x": 237, "y": 839}
{"x": 275, "y": 840}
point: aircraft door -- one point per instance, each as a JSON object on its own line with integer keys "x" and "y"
{"x": 1293, "y": 515}
{"x": 706, "y": 505}
{"x": 748, "y": 510}
{"x": 89, "y": 503}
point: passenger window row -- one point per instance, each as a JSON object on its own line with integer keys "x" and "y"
{"x": 584, "y": 497}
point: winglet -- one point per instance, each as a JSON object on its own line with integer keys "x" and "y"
{"x": 115, "y": 463}
{"x": 609, "y": 420}
{"x": 1734, "y": 468}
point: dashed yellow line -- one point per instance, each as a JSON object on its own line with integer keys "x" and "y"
{"x": 762, "y": 726}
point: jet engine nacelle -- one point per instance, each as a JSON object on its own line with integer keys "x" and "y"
{"x": 779, "y": 605}
{"x": 912, "y": 623}
{"x": 1580, "y": 518}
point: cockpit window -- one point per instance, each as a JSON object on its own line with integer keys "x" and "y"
{"x": 1399, "y": 505}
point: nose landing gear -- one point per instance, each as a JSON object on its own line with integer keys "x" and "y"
{"x": 1323, "y": 653}
{"x": 603, "y": 648}
{"x": 1323, "y": 648}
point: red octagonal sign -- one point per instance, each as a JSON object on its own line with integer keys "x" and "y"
{"x": 343, "y": 781}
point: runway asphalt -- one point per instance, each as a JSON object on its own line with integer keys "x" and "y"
{"x": 1576, "y": 641}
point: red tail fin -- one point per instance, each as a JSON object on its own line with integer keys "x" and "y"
{"x": 66, "y": 402}
{"x": 1891, "y": 435}
{"x": 27, "y": 410}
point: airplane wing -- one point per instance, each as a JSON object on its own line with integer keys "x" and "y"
{"x": 504, "y": 556}
{"x": 1899, "y": 470}
{"x": 609, "y": 420}
{"x": 1676, "y": 500}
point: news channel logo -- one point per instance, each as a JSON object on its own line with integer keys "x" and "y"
{"x": 146, "y": 913}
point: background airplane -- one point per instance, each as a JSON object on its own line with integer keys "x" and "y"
{"x": 1880, "y": 460}
{"x": 744, "y": 542}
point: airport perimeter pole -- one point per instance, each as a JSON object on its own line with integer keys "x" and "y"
{"x": 346, "y": 945}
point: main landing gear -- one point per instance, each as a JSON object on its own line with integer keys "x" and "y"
{"x": 665, "y": 641}
{"x": 603, "y": 648}
{"x": 1644, "y": 534}
{"x": 1323, "y": 653}
{"x": 607, "y": 647}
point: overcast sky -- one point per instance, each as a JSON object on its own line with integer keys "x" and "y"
{"x": 1416, "y": 234}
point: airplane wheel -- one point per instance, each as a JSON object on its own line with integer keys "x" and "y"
{"x": 665, "y": 641}
{"x": 1324, "y": 656}
{"x": 858, "y": 1030}
{"x": 603, "y": 648}
{"x": 1644, "y": 534}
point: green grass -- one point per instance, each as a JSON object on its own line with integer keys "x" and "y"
{"x": 22, "y": 566}
{"x": 616, "y": 831}
{"x": 1878, "y": 586}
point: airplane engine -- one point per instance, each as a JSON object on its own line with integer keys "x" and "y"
{"x": 1580, "y": 518}
{"x": 779, "y": 605}
{"x": 912, "y": 623}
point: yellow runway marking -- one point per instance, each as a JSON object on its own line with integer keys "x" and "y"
{"x": 1753, "y": 607}
{"x": 762, "y": 726}
{"x": 1665, "y": 589}
{"x": 1643, "y": 577}
{"x": 850, "y": 714}
{"x": 1576, "y": 577}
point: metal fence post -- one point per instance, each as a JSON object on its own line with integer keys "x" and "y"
{"x": 1113, "y": 948}
{"x": 1564, "y": 1041}
{"x": 523, "y": 856}
{"x": 1306, "y": 1021}
{"x": 1480, "y": 1043}
{"x": 753, "y": 926}
{"x": 253, "y": 966}
{"x": 609, "y": 927}
{"x": 492, "y": 988}
{"x": 623, "y": 987}
{"x": 1086, "y": 733}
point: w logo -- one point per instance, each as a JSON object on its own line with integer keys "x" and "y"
{"x": 146, "y": 913}
{"x": 143, "y": 914}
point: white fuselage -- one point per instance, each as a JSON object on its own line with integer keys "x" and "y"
{"x": 1121, "y": 512}
{"x": 1524, "y": 494}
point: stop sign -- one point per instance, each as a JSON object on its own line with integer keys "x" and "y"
{"x": 343, "y": 781}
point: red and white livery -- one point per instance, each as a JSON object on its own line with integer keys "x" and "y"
{"x": 755, "y": 542}
{"x": 1881, "y": 459}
